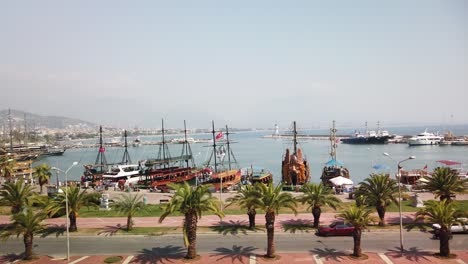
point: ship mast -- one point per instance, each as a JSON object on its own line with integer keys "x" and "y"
{"x": 333, "y": 143}
{"x": 186, "y": 149}
{"x": 126, "y": 156}
{"x": 214, "y": 147}
{"x": 164, "y": 149}
{"x": 295, "y": 138}
{"x": 11, "y": 130}
{"x": 228, "y": 147}
{"x": 101, "y": 158}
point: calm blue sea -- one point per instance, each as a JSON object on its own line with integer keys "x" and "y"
{"x": 251, "y": 149}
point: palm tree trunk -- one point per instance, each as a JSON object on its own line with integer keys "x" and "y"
{"x": 72, "y": 227}
{"x": 357, "y": 251}
{"x": 40, "y": 184}
{"x": 270, "y": 227}
{"x": 252, "y": 213}
{"x": 381, "y": 213}
{"x": 191, "y": 229}
{"x": 444, "y": 237}
{"x": 28, "y": 246}
{"x": 129, "y": 223}
{"x": 316, "y": 212}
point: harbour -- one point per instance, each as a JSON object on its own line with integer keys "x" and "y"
{"x": 257, "y": 149}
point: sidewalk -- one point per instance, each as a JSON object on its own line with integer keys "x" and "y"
{"x": 243, "y": 256}
{"x": 210, "y": 220}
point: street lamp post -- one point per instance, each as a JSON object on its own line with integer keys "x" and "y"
{"x": 66, "y": 204}
{"x": 399, "y": 195}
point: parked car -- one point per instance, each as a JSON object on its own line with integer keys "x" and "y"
{"x": 337, "y": 228}
{"x": 460, "y": 227}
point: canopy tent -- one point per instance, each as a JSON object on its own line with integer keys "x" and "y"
{"x": 448, "y": 162}
{"x": 381, "y": 167}
{"x": 334, "y": 162}
{"x": 340, "y": 180}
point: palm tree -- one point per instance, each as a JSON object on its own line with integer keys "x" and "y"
{"x": 76, "y": 200}
{"x": 129, "y": 204}
{"x": 26, "y": 223}
{"x": 17, "y": 195}
{"x": 191, "y": 203}
{"x": 445, "y": 214}
{"x": 42, "y": 173}
{"x": 316, "y": 196}
{"x": 7, "y": 168}
{"x": 445, "y": 183}
{"x": 360, "y": 218}
{"x": 248, "y": 198}
{"x": 380, "y": 191}
{"x": 271, "y": 201}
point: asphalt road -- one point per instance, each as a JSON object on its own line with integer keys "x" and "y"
{"x": 216, "y": 243}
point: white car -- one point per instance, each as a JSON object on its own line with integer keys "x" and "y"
{"x": 460, "y": 227}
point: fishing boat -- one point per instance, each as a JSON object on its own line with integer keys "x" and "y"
{"x": 253, "y": 175}
{"x": 295, "y": 168}
{"x": 165, "y": 169}
{"x": 333, "y": 168}
{"x": 221, "y": 173}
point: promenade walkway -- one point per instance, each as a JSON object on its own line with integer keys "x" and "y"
{"x": 209, "y": 220}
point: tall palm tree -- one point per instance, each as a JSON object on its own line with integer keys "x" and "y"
{"x": 360, "y": 218}
{"x": 26, "y": 223}
{"x": 316, "y": 196}
{"x": 445, "y": 183}
{"x": 445, "y": 214}
{"x": 378, "y": 190}
{"x": 7, "y": 168}
{"x": 271, "y": 201}
{"x": 191, "y": 203}
{"x": 248, "y": 198}
{"x": 129, "y": 204}
{"x": 42, "y": 173}
{"x": 76, "y": 200}
{"x": 17, "y": 195}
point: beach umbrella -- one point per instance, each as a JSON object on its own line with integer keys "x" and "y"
{"x": 381, "y": 167}
{"x": 334, "y": 162}
{"x": 340, "y": 180}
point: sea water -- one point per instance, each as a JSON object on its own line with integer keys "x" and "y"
{"x": 251, "y": 149}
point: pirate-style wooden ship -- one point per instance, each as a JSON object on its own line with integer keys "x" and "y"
{"x": 295, "y": 168}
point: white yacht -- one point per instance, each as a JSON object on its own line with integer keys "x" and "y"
{"x": 128, "y": 173}
{"x": 425, "y": 138}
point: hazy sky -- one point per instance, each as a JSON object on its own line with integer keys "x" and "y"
{"x": 244, "y": 63}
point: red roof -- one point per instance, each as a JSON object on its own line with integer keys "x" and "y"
{"x": 449, "y": 162}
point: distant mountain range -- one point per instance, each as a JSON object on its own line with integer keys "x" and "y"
{"x": 33, "y": 120}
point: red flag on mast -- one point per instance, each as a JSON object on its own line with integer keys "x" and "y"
{"x": 220, "y": 135}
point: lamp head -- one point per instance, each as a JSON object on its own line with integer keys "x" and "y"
{"x": 386, "y": 154}
{"x": 75, "y": 163}
{"x": 411, "y": 157}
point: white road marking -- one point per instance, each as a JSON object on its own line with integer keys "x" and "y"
{"x": 317, "y": 259}
{"x": 253, "y": 259}
{"x": 127, "y": 260}
{"x": 385, "y": 258}
{"x": 78, "y": 260}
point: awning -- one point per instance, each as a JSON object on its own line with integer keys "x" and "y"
{"x": 449, "y": 162}
{"x": 334, "y": 162}
{"x": 340, "y": 180}
{"x": 422, "y": 180}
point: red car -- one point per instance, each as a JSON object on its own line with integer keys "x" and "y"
{"x": 337, "y": 228}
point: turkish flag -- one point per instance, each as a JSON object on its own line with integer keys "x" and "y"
{"x": 102, "y": 150}
{"x": 220, "y": 135}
